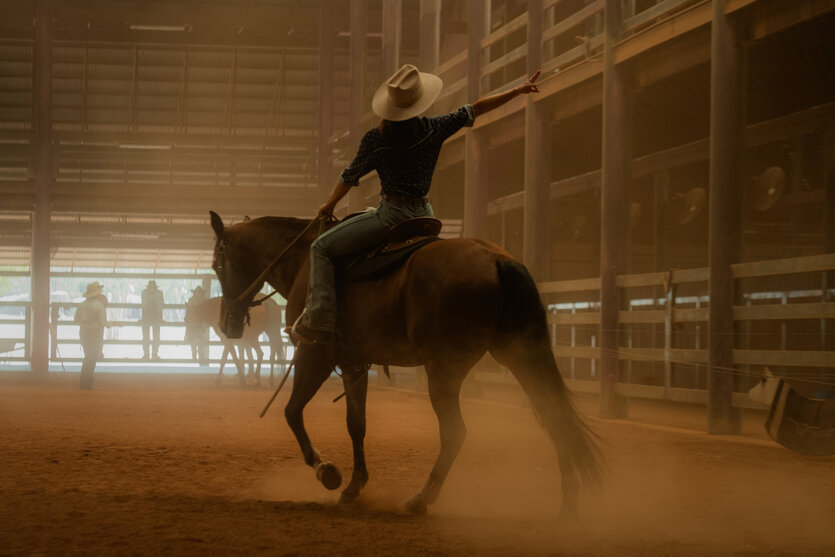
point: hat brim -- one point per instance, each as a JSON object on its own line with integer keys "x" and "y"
{"x": 91, "y": 294}
{"x": 382, "y": 107}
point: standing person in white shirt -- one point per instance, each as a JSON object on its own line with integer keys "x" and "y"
{"x": 91, "y": 318}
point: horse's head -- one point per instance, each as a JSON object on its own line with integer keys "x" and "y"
{"x": 235, "y": 281}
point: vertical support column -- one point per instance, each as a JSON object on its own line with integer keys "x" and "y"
{"x": 536, "y": 242}
{"x": 39, "y": 330}
{"x": 357, "y": 46}
{"x": 828, "y": 165}
{"x": 326, "y": 71}
{"x": 392, "y": 31}
{"x": 614, "y": 209}
{"x": 430, "y": 34}
{"x": 475, "y": 150}
{"x": 726, "y": 126}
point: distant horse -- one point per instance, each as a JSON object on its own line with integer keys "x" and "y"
{"x": 452, "y": 301}
{"x": 265, "y": 318}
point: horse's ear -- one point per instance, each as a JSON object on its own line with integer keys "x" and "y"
{"x": 246, "y": 218}
{"x": 217, "y": 224}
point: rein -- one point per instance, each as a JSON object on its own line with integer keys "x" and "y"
{"x": 260, "y": 278}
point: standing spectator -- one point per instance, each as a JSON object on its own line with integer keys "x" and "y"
{"x": 197, "y": 335}
{"x": 151, "y": 319}
{"x": 91, "y": 318}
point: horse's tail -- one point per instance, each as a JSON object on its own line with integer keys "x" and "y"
{"x": 524, "y": 346}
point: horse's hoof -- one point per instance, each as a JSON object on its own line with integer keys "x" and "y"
{"x": 348, "y": 496}
{"x": 416, "y": 505}
{"x": 329, "y": 475}
{"x": 569, "y": 514}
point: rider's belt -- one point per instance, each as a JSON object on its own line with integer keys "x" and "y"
{"x": 407, "y": 199}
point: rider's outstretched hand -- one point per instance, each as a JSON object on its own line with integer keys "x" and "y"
{"x": 530, "y": 85}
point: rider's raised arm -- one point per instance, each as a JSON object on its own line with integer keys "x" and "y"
{"x": 486, "y": 104}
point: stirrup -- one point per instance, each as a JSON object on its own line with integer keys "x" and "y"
{"x": 299, "y": 333}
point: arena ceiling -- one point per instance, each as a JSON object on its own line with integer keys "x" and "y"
{"x": 162, "y": 110}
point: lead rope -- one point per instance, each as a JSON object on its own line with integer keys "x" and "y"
{"x": 260, "y": 278}
{"x": 322, "y": 223}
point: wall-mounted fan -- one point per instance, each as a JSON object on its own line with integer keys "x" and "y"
{"x": 686, "y": 206}
{"x": 768, "y": 187}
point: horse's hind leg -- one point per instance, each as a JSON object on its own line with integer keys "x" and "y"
{"x": 259, "y": 353}
{"x": 444, "y": 383}
{"x": 222, "y": 364}
{"x": 311, "y": 369}
{"x": 356, "y": 389}
{"x": 239, "y": 364}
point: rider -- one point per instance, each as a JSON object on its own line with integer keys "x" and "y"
{"x": 403, "y": 151}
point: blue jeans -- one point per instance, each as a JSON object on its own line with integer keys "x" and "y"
{"x": 351, "y": 237}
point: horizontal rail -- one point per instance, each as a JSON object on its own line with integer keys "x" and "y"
{"x": 634, "y": 390}
{"x": 798, "y": 358}
{"x": 823, "y": 310}
{"x": 651, "y": 14}
{"x": 572, "y": 21}
{"x": 808, "y": 264}
{"x": 516, "y": 54}
{"x": 505, "y": 30}
{"x": 577, "y": 351}
{"x": 452, "y": 62}
{"x": 579, "y": 285}
{"x": 585, "y": 318}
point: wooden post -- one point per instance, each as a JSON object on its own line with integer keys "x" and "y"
{"x": 829, "y": 223}
{"x": 726, "y": 127}
{"x": 475, "y": 172}
{"x": 326, "y": 71}
{"x": 430, "y": 34}
{"x": 359, "y": 106}
{"x": 536, "y": 246}
{"x": 614, "y": 209}
{"x": 392, "y": 32}
{"x": 40, "y": 268}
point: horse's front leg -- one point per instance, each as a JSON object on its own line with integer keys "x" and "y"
{"x": 444, "y": 393}
{"x": 259, "y": 353}
{"x": 239, "y": 364}
{"x": 222, "y": 363}
{"x": 356, "y": 389}
{"x": 311, "y": 369}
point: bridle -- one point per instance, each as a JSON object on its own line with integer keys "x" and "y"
{"x": 235, "y": 305}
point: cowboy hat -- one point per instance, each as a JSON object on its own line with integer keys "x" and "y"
{"x": 93, "y": 289}
{"x": 406, "y": 94}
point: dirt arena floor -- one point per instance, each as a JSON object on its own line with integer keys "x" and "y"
{"x": 172, "y": 465}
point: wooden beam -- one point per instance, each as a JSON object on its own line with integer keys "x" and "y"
{"x": 614, "y": 211}
{"x": 724, "y": 217}
{"x": 39, "y": 340}
{"x": 430, "y": 34}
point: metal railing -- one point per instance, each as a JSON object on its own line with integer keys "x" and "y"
{"x": 15, "y": 343}
{"x": 664, "y": 329}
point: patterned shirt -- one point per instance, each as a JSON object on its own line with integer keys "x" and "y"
{"x": 406, "y": 171}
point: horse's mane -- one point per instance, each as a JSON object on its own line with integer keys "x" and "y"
{"x": 278, "y": 222}
{"x": 273, "y": 227}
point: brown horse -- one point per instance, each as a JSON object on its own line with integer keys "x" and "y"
{"x": 451, "y": 302}
{"x": 265, "y": 318}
